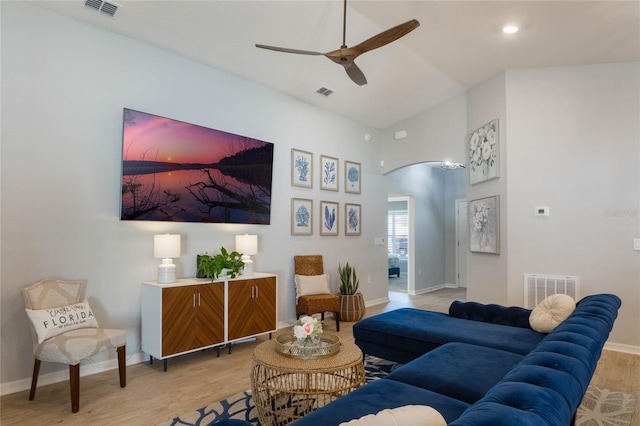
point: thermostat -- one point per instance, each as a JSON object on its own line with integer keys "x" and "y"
{"x": 542, "y": 211}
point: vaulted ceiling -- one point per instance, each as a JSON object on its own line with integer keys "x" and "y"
{"x": 458, "y": 44}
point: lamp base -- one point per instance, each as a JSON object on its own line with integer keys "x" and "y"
{"x": 248, "y": 265}
{"x": 167, "y": 272}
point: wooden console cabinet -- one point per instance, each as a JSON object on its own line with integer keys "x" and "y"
{"x": 193, "y": 314}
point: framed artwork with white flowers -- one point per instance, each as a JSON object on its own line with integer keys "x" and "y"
{"x": 483, "y": 153}
{"x": 484, "y": 225}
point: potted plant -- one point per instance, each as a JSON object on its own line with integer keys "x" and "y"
{"x": 351, "y": 301}
{"x": 224, "y": 264}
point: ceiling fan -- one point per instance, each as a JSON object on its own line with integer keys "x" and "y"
{"x": 345, "y": 56}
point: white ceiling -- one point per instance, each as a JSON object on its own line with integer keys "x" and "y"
{"x": 458, "y": 44}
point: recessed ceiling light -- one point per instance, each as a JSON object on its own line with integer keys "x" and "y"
{"x": 510, "y": 29}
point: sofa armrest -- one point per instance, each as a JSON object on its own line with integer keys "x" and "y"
{"x": 496, "y": 314}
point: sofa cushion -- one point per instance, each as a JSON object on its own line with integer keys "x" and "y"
{"x": 459, "y": 370}
{"x": 551, "y": 311}
{"x": 414, "y": 415}
{"x": 409, "y": 333}
{"x": 378, "y": 395}
{"x": 506, "y": 315}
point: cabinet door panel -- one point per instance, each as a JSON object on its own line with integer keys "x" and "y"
{"x": 240, "y": 309}
{"x": 178, "y": 314}
{"x": 210, "y": 314}
{"x": 264, "y": 310}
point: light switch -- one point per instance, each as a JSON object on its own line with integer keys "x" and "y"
{"x": 378, "y": 241}
{"x": 636, "y": 243}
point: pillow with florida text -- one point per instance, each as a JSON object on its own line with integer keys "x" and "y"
{"x": 312, "y": 284}
{"x": 51, "y": 322}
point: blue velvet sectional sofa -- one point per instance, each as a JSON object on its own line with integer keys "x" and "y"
{"x": 480, "y": 365}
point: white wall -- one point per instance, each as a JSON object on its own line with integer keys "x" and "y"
{"x": 573, "y": 142}
{"x": 487, "y": 273}
{"x": 64, "y": 85}
{"x": 433, "y": 135}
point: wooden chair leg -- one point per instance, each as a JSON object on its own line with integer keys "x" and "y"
{"x": 34, "y": 379}
{"x": 335, "y": 314}
{"x": 122, "y": 365}
{"x": 74, "y": 383}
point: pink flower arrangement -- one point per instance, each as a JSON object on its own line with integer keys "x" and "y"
{"x": 307, "y": 328}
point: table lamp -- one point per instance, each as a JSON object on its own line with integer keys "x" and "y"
{"x": 166, "y": 247}
{"x": 247, "y": 245}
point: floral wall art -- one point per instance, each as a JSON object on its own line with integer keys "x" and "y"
{"x": 484, "y": 225}
{"x": 328, "y": 218}
{"x": 352, "y": 177}
{"x": 328, "y": 173}
{"x": 301, "y": 216}
{"x": 353, "y": 219}
{"x": 301, "y": 168}
{"x": 483, "y": 153}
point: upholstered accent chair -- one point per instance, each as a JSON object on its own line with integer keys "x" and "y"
{"x": 69, "y": 347}
{"x": 308, "y": 270}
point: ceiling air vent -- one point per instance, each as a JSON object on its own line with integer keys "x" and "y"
{"x": 108, "y": 8}
{"x": 324, "y": 91}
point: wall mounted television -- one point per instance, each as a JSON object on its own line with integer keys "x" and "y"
{"x": 181, "y": 172}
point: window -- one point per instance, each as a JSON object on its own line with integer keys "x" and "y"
{"x": 398, "y": 232}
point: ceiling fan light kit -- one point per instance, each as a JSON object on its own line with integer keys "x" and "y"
{"x": 345, "y": 55}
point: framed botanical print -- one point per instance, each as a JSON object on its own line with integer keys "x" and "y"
{"x": 301, "y": 216}
{"x": 328, "y": 218}
{"x": 483, "y": 153}
{"x": 484, "y": 225}
{"x": 328, "y": 173}
{"x": 352, "y": 177}
{"x": 352, "y": 219}
{"x": 301, "y": 168}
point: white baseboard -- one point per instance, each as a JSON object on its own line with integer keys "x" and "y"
{"x": 619, "y": 347}
{"x": 376, "y": 302}
{"x": 430, "y": 289}
{"x": 86, "y": 369}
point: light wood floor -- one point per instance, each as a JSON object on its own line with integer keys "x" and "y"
{"x": 196, "y": 380}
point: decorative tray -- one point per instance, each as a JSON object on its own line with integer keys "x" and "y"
{"x": 287, "y": 345}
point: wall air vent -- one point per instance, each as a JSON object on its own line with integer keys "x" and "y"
{"x": 539, "y": 286}
{"x": 324, "y": 91}
{"x": 106, "y": 7}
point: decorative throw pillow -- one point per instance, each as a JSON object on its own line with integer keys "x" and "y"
{"x": 51, "y": 322}
{"x": 550, "y": 312}
{"x": 414, "y": 415}
{"x": 312, "y": 284}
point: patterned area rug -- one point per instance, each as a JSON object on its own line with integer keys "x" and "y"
{"x": 600, "y": 407}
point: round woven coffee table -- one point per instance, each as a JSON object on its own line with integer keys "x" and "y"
{"x": 285, "y": 389}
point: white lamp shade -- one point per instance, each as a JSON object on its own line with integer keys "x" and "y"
{"x": 166, "y": 246}
{"x": 247, "y": 244}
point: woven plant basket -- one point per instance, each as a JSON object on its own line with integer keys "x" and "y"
{"x": 352, "y": 307}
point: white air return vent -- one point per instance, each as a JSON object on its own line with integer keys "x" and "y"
{"x": 324, "y": 91}
{"x": 106, "y": 7}
{"x": 539, "y": 286}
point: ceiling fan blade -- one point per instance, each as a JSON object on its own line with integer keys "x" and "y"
{"x": 356, "y": 74}
{"x": 387, "y": 36}
{"x": 287, "y": 50}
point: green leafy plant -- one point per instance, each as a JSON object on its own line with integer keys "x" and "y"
{"x": 213, "y": 266}
{"x": 348, "y": 280}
